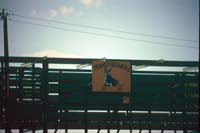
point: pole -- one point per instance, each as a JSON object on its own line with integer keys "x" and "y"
{"x": 45, "y": 93}
{"x": 4, "y": 15}
{"x": 6, "y": 53}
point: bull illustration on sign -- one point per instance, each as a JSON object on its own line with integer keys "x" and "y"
{"x": 111, "y": 76}
{"x": 109, "y": 80}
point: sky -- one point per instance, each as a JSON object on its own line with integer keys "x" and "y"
{"x": 177, "y": 19}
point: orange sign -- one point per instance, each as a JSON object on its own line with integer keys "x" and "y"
{"x": 111, "y": 76}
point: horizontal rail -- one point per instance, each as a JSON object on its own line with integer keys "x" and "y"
{"x": 86, "y": 61}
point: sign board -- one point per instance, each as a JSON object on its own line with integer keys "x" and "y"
{"x": 111, "y": 76}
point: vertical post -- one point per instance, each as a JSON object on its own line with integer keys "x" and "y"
{"x": 140, "y": 127}
{"x": 33, "y": 92}
{"x": 33, "y": 83}
{"x": 86, "y": 112}
{"x": 66, "y": 130}
{"x": 173, "y": 119}
{"x": 45, "y": 93}
{"x": 130, "y": 104}
{"x": 6, "y": 53}
{"x": 173, "y": 94}
{"x": 6, "y": 69}
{"x": 86, "y": 122}
{"x": 109, "y": 120}
{"x": 163, "y": 127}
{"x": 1, "y": 94}
{"x": 149, "y": 121}
{"x": 184, "y": 122}
{"x": 21, "y": 75}
{"x": 182, "y": 81}
{"x": 66, "y": 127}
{"x": 174, "y": 116}
{"x": 129, "y": 118}
{"x": 21, "y": 130}
{"x": 198, "y": 89}
{"x": 119, "y": 122}
{"x": 20, "y": 92}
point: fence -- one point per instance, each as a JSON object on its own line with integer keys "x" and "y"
{"x": 51, "y": 98}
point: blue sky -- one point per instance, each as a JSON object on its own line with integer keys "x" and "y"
{"x": 171, "y": 18}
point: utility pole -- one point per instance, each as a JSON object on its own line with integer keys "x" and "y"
{"x": 3, "y": 16}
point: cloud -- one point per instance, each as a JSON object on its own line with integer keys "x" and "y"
{"x": 54, "y": 53}
{"x": 88, "y": 3}
{"x": 53, "y": 13}
{"x": 62, "y": 10}
{"x": 66, "y": 10}
{"x": 33, "y": 12}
